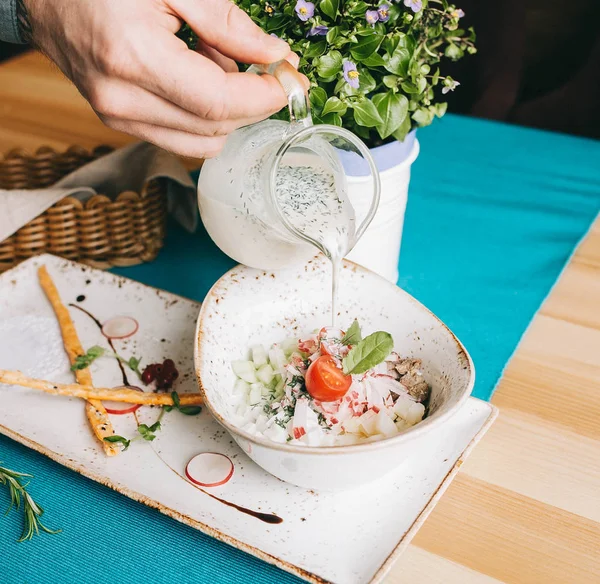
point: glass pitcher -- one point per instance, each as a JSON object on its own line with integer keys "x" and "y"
{"x": 278, "y": 190}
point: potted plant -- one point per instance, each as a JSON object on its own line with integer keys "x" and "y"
{"x": 375, "y": 69}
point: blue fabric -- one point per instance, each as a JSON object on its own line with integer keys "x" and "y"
{"x": 494, "y": 214}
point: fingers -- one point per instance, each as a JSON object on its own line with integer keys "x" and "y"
{"x": 181, "y": 143}
{"x": 227, "y": 28}
{"x": 200, "y": 86}
{"x": 114, "y": 99}
{"x": 228, "y": 65}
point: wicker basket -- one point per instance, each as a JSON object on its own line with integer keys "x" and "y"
{"x": 101, "y": 232}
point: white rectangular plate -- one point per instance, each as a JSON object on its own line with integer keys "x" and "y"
{"x": 346, "y": 538}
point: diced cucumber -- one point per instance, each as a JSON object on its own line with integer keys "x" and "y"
{"x": 259, "y": 355}
{"x": 245, "y": 370}
{"x": 241, "y": 387}
{"x": 255, "y": 395}
{"x": 289, "y": 345}
{"x": 273, "y": 384}
{"x": 277, "y": 358}
{"x": 265, "y": 374}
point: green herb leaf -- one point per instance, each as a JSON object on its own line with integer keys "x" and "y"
{"x": 374, "y": 60}
{"x": 353, "y": 334}
{"x": 84, "y": 361}
{"x": 190, "y": 410}
{"x": 393, "y": 109}
{"x": 175, "y": 398}
{"x": 398, "y": 62}
{"x": 366, "y": 114}
{"x": 315, "y": 49}
{"x": 148, "y": 432}
{"x": 118, "y": 440}
{"x": 403, "y": 130}
{"x": 369, "y": 352}
{"x": 334, "y": 105}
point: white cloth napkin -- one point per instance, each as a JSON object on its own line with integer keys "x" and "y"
{"x": 126, "y": 169}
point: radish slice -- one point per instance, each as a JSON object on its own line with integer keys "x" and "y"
{"x": 120, "y": 327}
{"x": 209, "y": 469}
{"x": 120, "y": 408}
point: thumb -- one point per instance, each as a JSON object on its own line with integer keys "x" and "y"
{"x": 229, "y": 30}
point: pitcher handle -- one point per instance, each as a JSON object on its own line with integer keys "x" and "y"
{"x": 291, "y": 81}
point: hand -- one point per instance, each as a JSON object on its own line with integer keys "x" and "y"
{"x": 139, "y": 78}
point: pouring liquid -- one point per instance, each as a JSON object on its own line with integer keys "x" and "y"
{"x": 315, "y": 204}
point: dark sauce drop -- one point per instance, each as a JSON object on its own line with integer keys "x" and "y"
{"x": 99, "y": 325}
{"x": 80, "y": 298}
{"x": 266, "y": 517}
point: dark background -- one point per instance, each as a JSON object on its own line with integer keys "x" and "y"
{"x": 538, "y": 64}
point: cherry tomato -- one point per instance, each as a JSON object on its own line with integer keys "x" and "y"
{"x": 325, "y": 381}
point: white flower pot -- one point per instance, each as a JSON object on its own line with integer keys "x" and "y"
{"x": 379, "y": 248}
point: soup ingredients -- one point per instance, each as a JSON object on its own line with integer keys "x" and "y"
{"x": 21, "y": 499}
{"x": 329, "y": 388}
{"x": 325, "y": 381}
{"x": 209, "y": 469}
{"x": 120, "y": 327}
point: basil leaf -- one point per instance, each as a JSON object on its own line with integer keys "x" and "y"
{"x": 120, "y": 440}
{"x": 352, "y": 335}
{"x": 366, "y": 114}
{"x": 393, "y": 109}
{"x": 371, "y": 351}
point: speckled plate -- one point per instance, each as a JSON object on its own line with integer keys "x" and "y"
{"x": 346, "y": 538}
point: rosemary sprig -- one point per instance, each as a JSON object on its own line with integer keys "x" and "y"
{"x": 32, "y": 512}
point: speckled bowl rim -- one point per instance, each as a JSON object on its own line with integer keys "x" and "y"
{"x": 406, "y": 436}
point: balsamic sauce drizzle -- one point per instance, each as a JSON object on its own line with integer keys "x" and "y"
{"x": 266, "y": 517}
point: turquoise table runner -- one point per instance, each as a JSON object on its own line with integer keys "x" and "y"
{"x": 494, "y": 214}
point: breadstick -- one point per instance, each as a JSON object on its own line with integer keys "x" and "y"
{"x": 130, "y": 396}
{"x": 96, "y": 414}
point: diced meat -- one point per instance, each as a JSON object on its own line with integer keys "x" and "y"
{"x": 412, "y": 379}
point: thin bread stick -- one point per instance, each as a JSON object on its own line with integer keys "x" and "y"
{"x": 130, "y": 396}
{"x": 96, "y": 414}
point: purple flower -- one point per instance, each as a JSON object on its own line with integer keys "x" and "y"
{"x": 304, "y": 10}
{"x": 384, "y": 12}
{"x": 351, "y": 74}
{"x": 414, "y": 5}
{"x": 320, "y": 30}
{"x": 458, "y": 13}
{"x": 372, "y": 16}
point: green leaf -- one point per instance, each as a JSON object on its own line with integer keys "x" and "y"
{"x": 334, "y": 105}
{"x": 369, "y": 352}
{"x": 190, "y": 410}
{"x": 436, "y": 77}
{"x": 332, "y": 34}
{"x": 403, "y": 130}
{"x": 329, "y": 7}
{"x": 275, "y": 23}
{"x": 329, "y": 65}
{"x": 440, "y": 109}
{"x": 148, "y": 432}
{"x": 453, "y": 52}
{"x": 367, "y": 44}
{"x": 366, "y": 84}
{"x": 398, "y": 62}
{"x": 175, "y": 398}
{"x": 315, "y": 49}
{"x": 118, "y": 440}
{"x": 393, "y": 109}
{"x": 423, "y": 117}
{"x": 353, "y": 334}
{"x": 358, "y": 8}
{"x": 391, "y": 81}
{"x": 366, "y": 114}
{"x": 318, "y": 97}
{"x": 84, "y": 361}
{"x": 375, "y": 60}
{"x": 409, "y": 87}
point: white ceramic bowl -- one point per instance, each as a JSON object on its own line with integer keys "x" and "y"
{"x": 247, "y": 306}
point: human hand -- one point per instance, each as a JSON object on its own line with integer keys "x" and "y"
{"x": 139, "y": 78}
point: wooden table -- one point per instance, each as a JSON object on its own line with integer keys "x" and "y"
{"x": 525, "y": 508}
